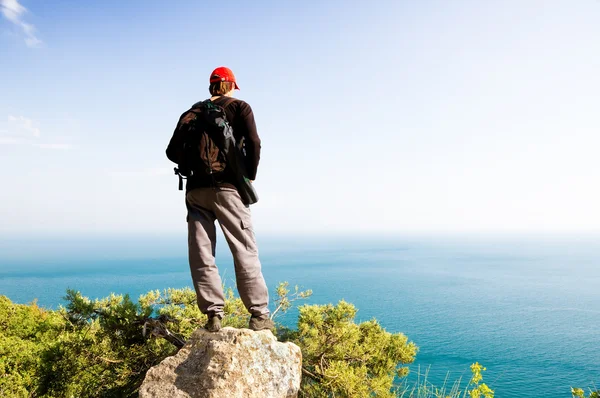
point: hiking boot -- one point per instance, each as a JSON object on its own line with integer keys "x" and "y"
{"x": 213, "y": 324}
{"x": 257, "y": 324}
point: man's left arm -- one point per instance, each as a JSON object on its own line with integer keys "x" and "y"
{"x": 252, "y": 140}
{"x": 175, "y": 147}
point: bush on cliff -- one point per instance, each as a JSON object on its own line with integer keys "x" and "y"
{"x": 27, "y": 332}
{"x": 103, "y": 348}
{"x": 342, "y": 358}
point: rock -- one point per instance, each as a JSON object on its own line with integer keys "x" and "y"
{"x": 230, "y": 363}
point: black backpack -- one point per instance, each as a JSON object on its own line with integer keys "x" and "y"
{"x": 206, "y": 145}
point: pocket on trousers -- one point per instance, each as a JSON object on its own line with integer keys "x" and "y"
{"x": 249, "y": 238}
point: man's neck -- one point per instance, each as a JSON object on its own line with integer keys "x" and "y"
{"x": 214, "y": 97}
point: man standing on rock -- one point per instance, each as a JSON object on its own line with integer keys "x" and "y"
{"x": 212, "y": 195}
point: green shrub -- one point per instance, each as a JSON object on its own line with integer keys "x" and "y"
{"x": 103, "y": 348}
{"x": 342, "y": 358}
{"x": 26, "y": 333}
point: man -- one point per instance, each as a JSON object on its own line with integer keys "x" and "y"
{"x": 214, "y": 197}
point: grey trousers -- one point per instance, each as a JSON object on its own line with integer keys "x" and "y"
{"x": 205, "y": 205}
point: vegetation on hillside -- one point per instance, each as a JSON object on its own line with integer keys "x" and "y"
{"x": 103, "y": 348}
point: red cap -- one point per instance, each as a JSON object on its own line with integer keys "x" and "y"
{"x": 223, "y": 74}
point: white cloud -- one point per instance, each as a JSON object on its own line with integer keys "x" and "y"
{"x": 21, "y": 125}
{"x": 24, "y": 131}
{"x": 13, "y": 11}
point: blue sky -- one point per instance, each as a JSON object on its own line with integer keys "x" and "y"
{"x": 380, "y": 117}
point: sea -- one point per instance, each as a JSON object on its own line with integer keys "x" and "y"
{"x": 527, "y": 307}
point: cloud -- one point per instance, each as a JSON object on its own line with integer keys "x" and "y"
{"x": 22, "y": 125}
{"x": 13, "y": 11}
{"x": 23, "y": 131}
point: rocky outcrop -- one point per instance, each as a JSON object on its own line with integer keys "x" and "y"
{"x": 230, "y": 363}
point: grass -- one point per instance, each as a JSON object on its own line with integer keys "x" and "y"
{"x": 423, "y": 388}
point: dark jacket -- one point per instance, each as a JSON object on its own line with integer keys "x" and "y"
{"x": 241, "y": 119}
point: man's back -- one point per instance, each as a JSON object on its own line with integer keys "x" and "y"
{"x": 241, "y": 118}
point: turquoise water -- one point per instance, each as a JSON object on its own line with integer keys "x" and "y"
{"x": 527, "y": 308}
